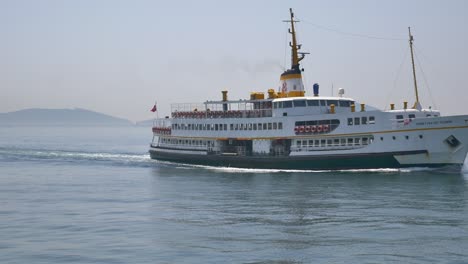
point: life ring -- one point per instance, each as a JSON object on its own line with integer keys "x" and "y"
{"x": 313, "y": 129}
{"x": 301, "y": 129}
{"x": 296, "y": 129}
{"x": 307, "y": 129}
{"x": 319, "y": 128}
{"x": 325, "y": 128}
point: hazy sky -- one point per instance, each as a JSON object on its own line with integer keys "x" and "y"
{"x": 118, "y": 57}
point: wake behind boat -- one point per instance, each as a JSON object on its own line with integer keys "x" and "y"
{"x": 288, "y": 130}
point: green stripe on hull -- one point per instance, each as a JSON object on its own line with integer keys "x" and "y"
{"x": 368, "y": 161}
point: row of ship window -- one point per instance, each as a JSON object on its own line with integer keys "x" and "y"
{"x": 412, "y": 116}
{"x": 299, "y": 143}
{"x": 187, "y": 142}
{"x": 335, "y": 142}
{"x": 400, "y": 117}
{"x": 304, "y": 103}
{"x": 232, "y": 127}
{"x": 364, "y": 120}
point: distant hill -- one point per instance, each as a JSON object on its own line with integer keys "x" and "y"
{"x": 77, "y": 116}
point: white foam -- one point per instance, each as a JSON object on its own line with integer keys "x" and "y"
{"x": 413, "y": 169}
{"x": 95, "y": 156}
{"x": 251, "y": 170}
{"x": 234, "y": 169}
{"x": 72, "y": 155}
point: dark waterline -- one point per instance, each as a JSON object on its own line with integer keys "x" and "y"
{"x": 74, "y": 195}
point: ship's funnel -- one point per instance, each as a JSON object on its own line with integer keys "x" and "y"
{"x": 225, "y": 98}
{"x": 316, "y": 89}
{"x": 291, "y": 83}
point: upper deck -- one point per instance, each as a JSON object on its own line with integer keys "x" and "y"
{"x": 223, "y": 109}
{"x": 291, "y": 106}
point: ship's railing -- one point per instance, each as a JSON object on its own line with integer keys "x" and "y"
{"x": 313, "y": 148}
{"x": 162, "y": 130}
{"x": 228, "y": 151}
{"x": 333, "y": 146}
{"x": 162, "y": 126}
{"x": 162, "y": 122}
{"x": 223, "y": 109}
{"x": 184, "y": 147}
{"x": 187, "y": 107}
{"x": 223, "y": 114}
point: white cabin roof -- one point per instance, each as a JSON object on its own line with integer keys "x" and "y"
{"x": 312, "y": 98}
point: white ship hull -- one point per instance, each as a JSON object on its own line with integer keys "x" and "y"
{"x": 422, "y": 143}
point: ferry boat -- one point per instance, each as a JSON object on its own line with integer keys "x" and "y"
{"x": 287, "y": 129}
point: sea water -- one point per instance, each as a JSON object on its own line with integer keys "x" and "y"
{"x": 93, "y": 195}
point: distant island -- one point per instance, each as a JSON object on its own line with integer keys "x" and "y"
{"x": 59, "y": 117}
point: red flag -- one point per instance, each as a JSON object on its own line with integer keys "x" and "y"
{"x": 153, "y": 109}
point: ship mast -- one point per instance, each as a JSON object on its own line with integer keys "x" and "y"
{"x": 294, "y": 46}
{"x": 417, "y": 105}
